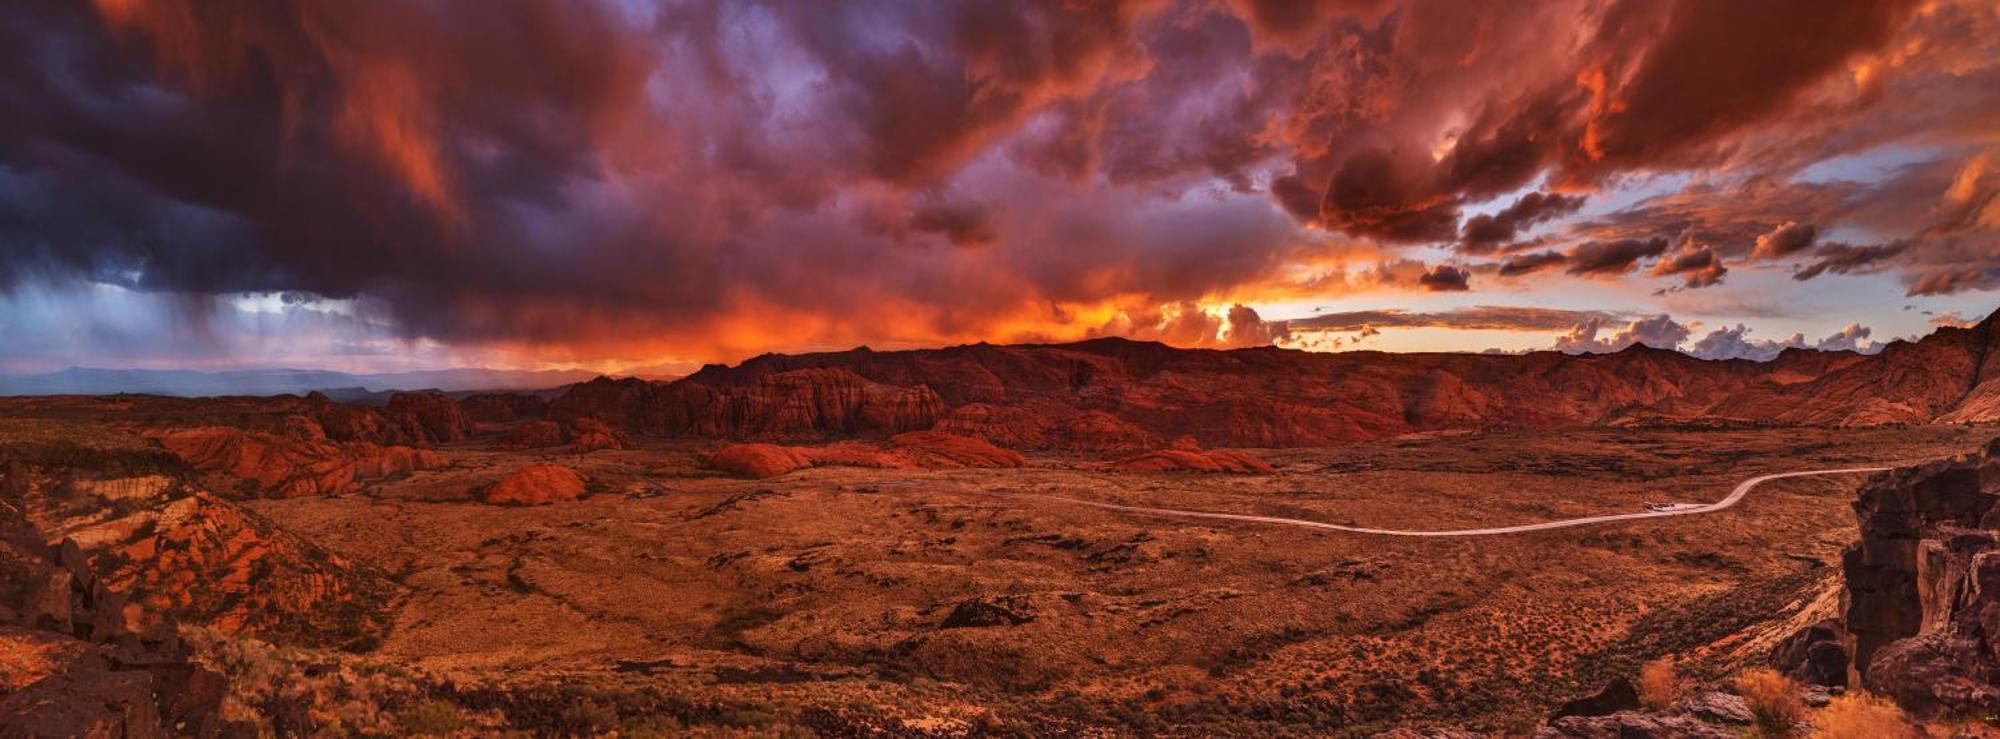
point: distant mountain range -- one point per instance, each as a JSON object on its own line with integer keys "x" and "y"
{"x": 350, "y": 387}
{"x": 1116, "y": 394}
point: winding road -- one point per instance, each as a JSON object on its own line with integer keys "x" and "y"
{"x": 1735, "y": 496}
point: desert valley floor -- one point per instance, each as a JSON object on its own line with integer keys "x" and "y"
{"x": 670, "y": 597}
{"x": 924, "y": 591}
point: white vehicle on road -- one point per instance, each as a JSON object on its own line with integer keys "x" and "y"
{"x": 1657, "y": 507}
{"x": 1674, "y": 509}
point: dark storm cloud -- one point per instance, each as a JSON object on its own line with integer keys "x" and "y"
{"x": 1528, "y": 264}
{"x": 1612, "y": 257}
{"x": 1845, "y": 258}
{"x": 1444, "y": 278}
{"x": 962, "y": 225}
{"x": 723, "y": 178}
{"x": 1656, "y": 85}
{"x": 1484, "y": 233}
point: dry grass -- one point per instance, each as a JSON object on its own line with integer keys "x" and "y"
{"x": 1660, "y": 684}
{"x": 1863, "y": 716}
{"x": 1773, "y": 698}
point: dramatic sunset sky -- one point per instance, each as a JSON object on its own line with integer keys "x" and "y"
{"x": 619, "y": 184}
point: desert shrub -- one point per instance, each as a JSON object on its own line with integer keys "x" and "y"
{"x": 1773, "y": 699}
{"x": 587, "y": 716}
{"x": 432, "y": 717}
{"x": 1863, "y": 716}
{"x": 652, "y": 727}
{"x": 1660, "y": 683}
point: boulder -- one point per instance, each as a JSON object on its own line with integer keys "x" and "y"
{"x": 1717, "y": 708}
{"x": 1636, "y": 725}
{"x": 759, "y": 461}
{"x": 1183, "y": 460}
{"x": 941, "y": 449}
{"x": 536, "y": 484}
{"x": 1814, "y": 655}
{"x": 982, "y": 612}
{"x": 1617, "y": 695}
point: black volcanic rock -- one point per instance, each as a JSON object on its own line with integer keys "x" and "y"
{"x": 1617, "y": 695}
{"x": 1814, "y": 655}
{"x": 1923, "y": 585}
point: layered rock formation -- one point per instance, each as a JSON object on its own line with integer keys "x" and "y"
{"x": 255, "y": 464}
{"x": 428, "y": 418}
{"x": 409, "y": 419}
{"x": 817, "y": 403}
{"x": 75, "y": 665}
{"x": 139, "y": 521}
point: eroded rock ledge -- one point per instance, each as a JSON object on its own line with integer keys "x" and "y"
{"x": 1923, "y": 585}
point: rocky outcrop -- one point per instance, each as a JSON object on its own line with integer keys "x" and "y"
{"x": 536, "y": 484}
{"x": 1705, "y": 714}
{"x": 1815, "y": 655}
{"x": 81, "y": 660}
{"x": 943, "y": 450}
{"x": 253, "y": 464}
{"x": 1923, "y": 585}
{"x": 759, "y": 461}
{"x": 139, "y": 520}
{"x": 802, "y": 405}
{"x": 914, "y": 450}
{"x": 1194, "y": 460}
{"x": 429, "y": 417}
{"x": 1617, "y": 695}
{"x": 983, "y": 612}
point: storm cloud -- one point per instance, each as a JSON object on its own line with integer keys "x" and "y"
{"x": 587, "y": 179}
